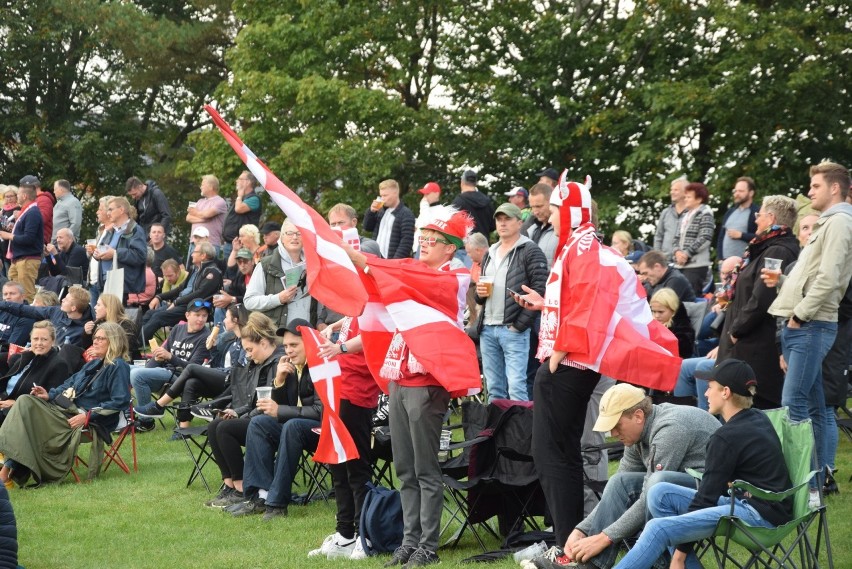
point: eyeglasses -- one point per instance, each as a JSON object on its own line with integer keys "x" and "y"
{"x": 430, "y": 241}
{"x": 292, "y": 234}
{"x": 201, "y": 303}
{"x": 242, "y": 179}
{"x": 99, "y": 339}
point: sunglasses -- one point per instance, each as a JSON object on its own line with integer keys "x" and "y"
{"x": 430, "y": 241}
{"x": 201, "y": 304}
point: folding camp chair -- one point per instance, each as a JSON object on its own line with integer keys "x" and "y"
{"x": 196, "y": 443}
{"x": 106, "y": 449}
{"x": 381, "y": 457}
{"x": 501, "y": 479}
{"x": 790, "y": 545}
{"x": 315, "y": 479}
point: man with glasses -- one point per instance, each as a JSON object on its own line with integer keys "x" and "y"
{"x": 123, "y": 246}
{"x": 186, "y": 344}
{"x": 203, "y": 282}
{"x": 245, "y": 209}
{"x": 278, "y": 286}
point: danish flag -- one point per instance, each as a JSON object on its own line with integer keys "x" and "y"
{"x": 335, "y": 444}
{"x": 332, "y": 278}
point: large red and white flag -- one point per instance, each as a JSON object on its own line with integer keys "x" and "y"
{"x": 332, "y": 278}
{"x": 603, "y": 319}
{"x": 335, "y": 444}
{"x": 426, "y": 307}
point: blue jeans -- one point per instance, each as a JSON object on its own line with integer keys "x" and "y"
{"x": 504, "y": 362}
{"x": 146, "y": 380}
{"x": 265, "y": 471}
{"x": 671, "y": 526}
{"x": 688, "y": 384}
{"x": 804, "y": 349}
{"x": 622, "y": 491}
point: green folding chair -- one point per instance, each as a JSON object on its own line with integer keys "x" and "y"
{"x": 788, "y": 546}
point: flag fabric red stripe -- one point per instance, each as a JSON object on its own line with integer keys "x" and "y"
{"x": 608, "y": 325}
{"x": 332, "y": 278}
{"x": 424, "y": 305}
{"x": 335, "y": 444}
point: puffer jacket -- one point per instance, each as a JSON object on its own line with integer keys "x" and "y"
{"x": 528, "y": 266}
{"x": 244, "y": 380}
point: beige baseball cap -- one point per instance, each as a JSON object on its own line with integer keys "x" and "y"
{"x": 614, "y": 402}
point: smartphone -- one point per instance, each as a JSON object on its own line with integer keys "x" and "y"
{"x": 512, "y": 292}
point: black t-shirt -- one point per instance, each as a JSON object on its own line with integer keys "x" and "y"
{"x": 166, "y": 252}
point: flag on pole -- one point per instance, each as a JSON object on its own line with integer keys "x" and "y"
{"x": 335, "y": 444}
{"x": 332, "y": 278}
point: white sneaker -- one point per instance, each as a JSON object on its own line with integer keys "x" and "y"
{"x": 326, "y": 545}
{"x": 813, "y": 499}
{"x": 359, "y": 552}
{"x": 341, "y": 547}
{"x": 530, "y": 552}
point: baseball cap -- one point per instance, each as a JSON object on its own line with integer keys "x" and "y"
{"x": 430, "y": 188}
{"x": 469, "y": 176}
{"x": 519, "y": 191}
{"x": 734, "y": 374}
{"x": 269, "y": 227}
{"x": 199, "y": 304}
{"x": 615, "y": 401}
{"x": 30, "y": 180}
{"x": 549, "y": 173}
{"x": 244, "y": 253}
{"x": 509, "y": 209}
{"x": 200, "y": 232}
{"x": 293, "y": 327}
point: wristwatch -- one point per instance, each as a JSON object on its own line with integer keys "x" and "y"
{"x": 798, "y": 320}
{"x": 343, "y": 349}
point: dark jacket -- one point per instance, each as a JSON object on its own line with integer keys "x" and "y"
{"x": 110, "y": 390}
{"x": 244, "y": 380}
{"x": 684, "y": 332}
{"x": 153, "y": 207}
{"x": 402, "y": 232}
{"x": 294, "y": 390}
{"x": 480, "y": 206}
{"x": 14, "y": 328}
{"x": 208, "y": 283}
{"x": 234, "y": 220}
{"x": 130, "y": 253}
{"x": 8, "y": 532}
{"x": 747, "y": 235}
{"x": 27, "y": 235}
{"x": 674, "y": 280}
{"x": 48, "y": 371}
{"x": 527, "y": 265}
{"x": 748, "y": 320}
{"x": 66, "y": 327}
{"x": 74, "y": 257}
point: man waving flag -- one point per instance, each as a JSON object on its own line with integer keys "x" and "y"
{"x": 332, "y": 278}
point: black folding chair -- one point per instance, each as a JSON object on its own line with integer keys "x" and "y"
{"x": 197, "y": 445}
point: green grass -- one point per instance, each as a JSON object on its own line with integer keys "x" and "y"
{"x": 150, "y": 519}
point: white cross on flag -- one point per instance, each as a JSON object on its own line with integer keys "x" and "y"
{"x": 335, "y": 445}
{"x": 332, "y": 279}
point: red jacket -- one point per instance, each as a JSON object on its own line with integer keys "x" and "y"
{"x": 45, "y": 201}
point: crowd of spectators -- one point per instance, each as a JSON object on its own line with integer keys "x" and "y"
{"x": 767, "y": 285}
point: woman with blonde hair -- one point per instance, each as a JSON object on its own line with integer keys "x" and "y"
{"x": 667, "y": 309}
{"x": 109, "y": 308}
{"x": 622, "y": 242}
{"x": 42, "y": 432}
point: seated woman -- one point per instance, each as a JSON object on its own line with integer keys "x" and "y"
{"x": 197, "y": 381}
{"x": 108, "y": 308}
{"x": 42, "y": 432}
{"x": 667, "y": 309}
{"x": 227, "y": 433}
{"x": 622, "y": 242}
{"x": 41, "y": 365}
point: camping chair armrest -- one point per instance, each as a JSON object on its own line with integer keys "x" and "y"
{"x": 694, "y": 473}
{"x": 768, "y": 495}
{"x": 465, "y": 444}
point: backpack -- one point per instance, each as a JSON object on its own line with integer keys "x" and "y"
{"x": 380, "y": 526}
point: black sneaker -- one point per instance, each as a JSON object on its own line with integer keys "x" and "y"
{"x": 227, "y": 497}
{"x": 273, "y": 512}
{"x": 145, "y": 425}
{"x": 205, "y": 413}
{"x": 421, "y": 558}
{"x": 151, "y": 411}
{"x": 247, "y": 508}
{"x": 830, "y": 486}
{"x": 401, "y": 555}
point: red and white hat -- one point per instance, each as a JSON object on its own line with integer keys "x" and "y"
{"x": 452, "y": 223}
{"x": 574, "y": 200}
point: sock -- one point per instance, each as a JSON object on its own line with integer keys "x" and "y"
{"x": 262, "y": 494}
